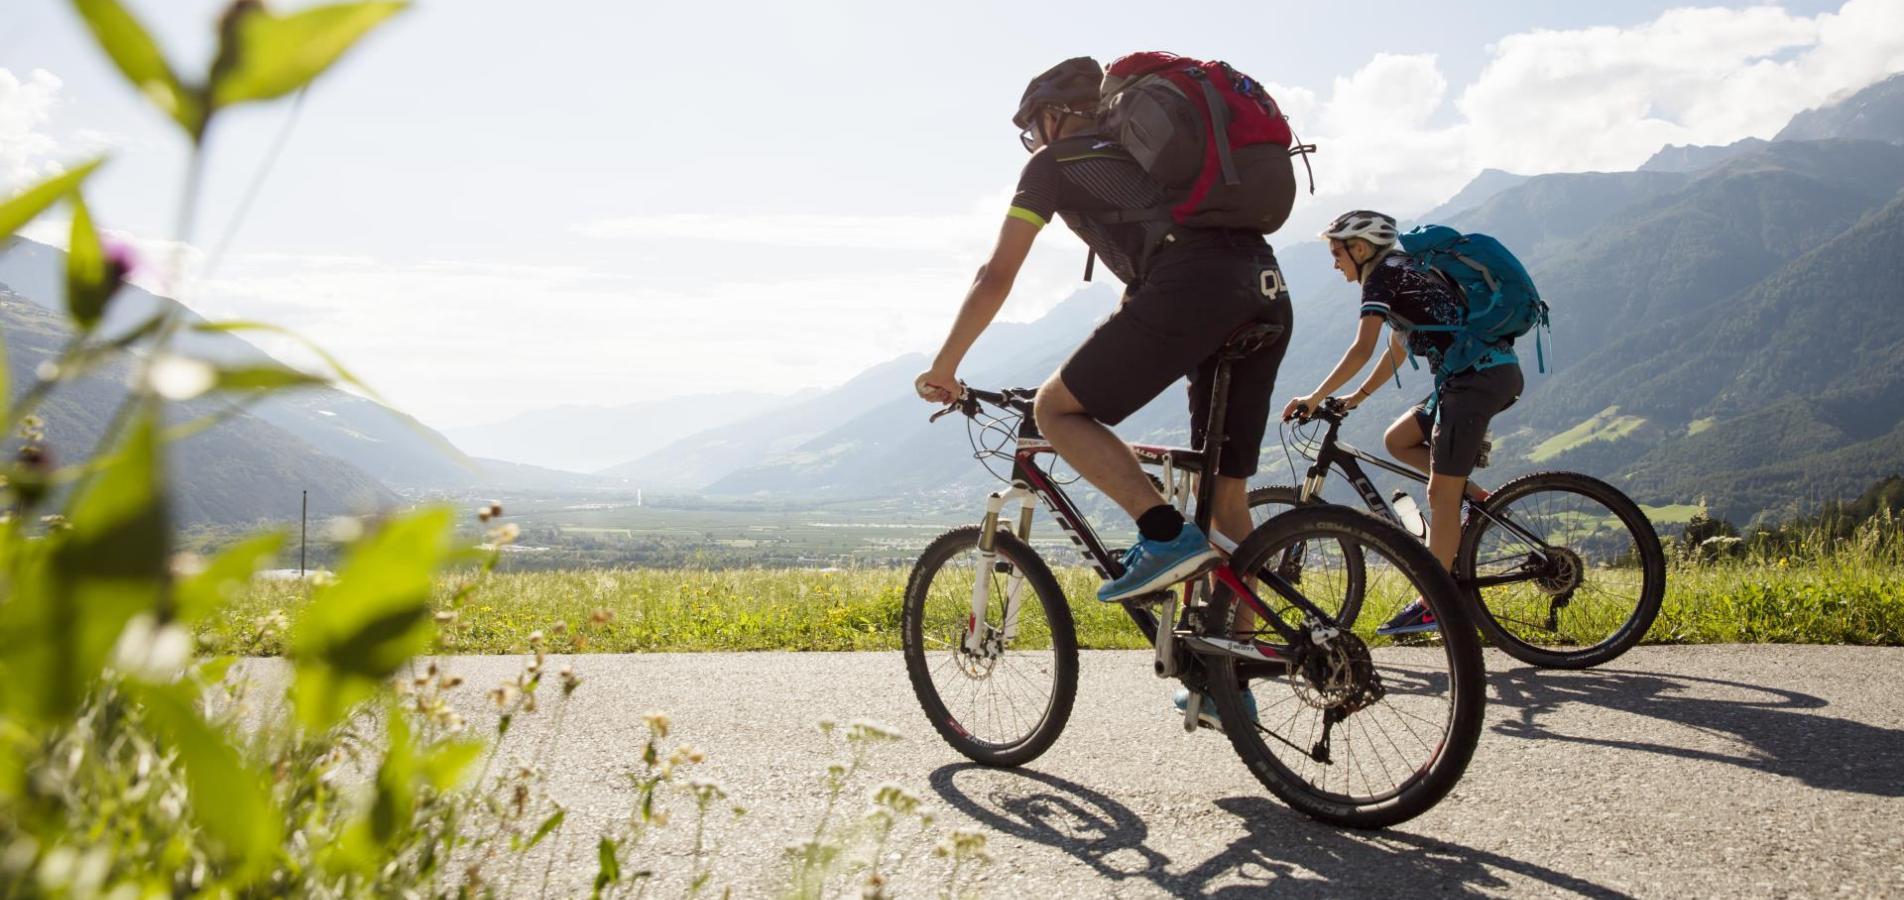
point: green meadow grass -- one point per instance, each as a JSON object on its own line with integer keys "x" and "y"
{"x": 1848, "y": 598}
{"x": 1607, "y": 425}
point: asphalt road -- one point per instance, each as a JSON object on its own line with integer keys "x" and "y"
{"x": 1675, "y": 771}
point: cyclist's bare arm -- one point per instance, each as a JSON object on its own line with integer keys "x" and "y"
{"x": 988, "y": 292}
{"x": 1367, "y": 334}
{"x": 1391, "y": 361}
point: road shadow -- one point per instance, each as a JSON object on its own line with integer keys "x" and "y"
{"x": 1281, "y": 850}
{"x": 1784, "y": 731}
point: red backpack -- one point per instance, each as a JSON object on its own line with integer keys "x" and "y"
{"x": 1210, "y": 134}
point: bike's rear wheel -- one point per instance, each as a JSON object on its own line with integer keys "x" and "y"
{"x": 1004, "y": 704}
{"x": 1352, "y": 733}
{"x": 1594, "y": 571}
{"x": 1332, "y": 576}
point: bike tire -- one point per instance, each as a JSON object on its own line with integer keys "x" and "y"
{"x": 1499, "y": 610}
{"x": 928, "y": 609}
{"x": 1453, "y": 664}
{"x": 1353, "y": 585}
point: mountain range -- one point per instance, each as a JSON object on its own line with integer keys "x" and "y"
{"x": 350, "y": 453}
{"x": 1726, "y": 331}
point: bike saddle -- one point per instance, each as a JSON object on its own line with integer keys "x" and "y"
{"x": 1248, "y": 339}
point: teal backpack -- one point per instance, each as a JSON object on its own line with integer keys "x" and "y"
{"x": 1501, "y": 299}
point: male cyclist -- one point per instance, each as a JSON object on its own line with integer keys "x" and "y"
{"x": 1441, "y": 435}
{"x": 1187, "y": 290}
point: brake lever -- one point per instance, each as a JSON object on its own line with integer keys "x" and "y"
{"x": 944, "y": 412}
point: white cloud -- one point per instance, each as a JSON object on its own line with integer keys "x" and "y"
{"x": 26, "y": 147}
{"x": 1583, "y": 100}
{"x": 869, "y": 232}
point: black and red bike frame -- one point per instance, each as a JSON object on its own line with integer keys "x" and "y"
{"x": 1182, "y": 468}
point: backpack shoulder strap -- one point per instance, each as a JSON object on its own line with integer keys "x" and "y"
{"x": 1219, "y": 112}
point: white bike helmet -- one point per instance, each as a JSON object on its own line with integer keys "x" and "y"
{"x": 1376, "y": 228}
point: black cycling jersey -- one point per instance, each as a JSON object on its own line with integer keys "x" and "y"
{"x": 1407, "y": 293}
{"x": 1080, "y": 178}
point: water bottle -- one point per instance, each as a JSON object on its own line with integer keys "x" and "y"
{"x": 1409, "y": 514}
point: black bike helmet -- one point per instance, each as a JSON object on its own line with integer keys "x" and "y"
{"x": 1071, "y": 85}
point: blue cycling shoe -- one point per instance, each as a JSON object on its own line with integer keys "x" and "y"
{"x": 1206, "y": 711}
{"x": 1152, "y": 566}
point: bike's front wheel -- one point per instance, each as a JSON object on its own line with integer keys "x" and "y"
{"x": 1565, "y": 570}
{"x": 1355, "y": 733}
{"x": 990, "y": 647}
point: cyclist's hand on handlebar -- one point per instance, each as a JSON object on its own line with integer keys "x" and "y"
{"x": 1347, "y": 402}
{"x": 1300, "y": 408}
{"x": 938, "y": 386}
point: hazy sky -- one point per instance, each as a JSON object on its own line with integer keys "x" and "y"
{"x": 495, "y": 206}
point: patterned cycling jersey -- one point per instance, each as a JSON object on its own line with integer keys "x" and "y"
{"x": 1078, "y": 180}
{"x": 1408, "y": 293}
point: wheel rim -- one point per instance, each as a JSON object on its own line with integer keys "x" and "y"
{"x": 1376, "y": 753}
{"x": 1582, "y": 594}
{"x": 1000, "y": 695}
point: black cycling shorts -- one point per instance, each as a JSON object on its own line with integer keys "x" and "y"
{"x": 1468, "y": 402}
{"x": 1171, "y": 327}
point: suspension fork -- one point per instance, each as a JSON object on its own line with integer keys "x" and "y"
{"x": 988, "y": 565}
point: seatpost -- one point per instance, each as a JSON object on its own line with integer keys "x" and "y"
{"x": 1213, "y": 440}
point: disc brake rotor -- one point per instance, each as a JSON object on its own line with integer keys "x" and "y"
{"x": 1564, "y": 572}
{"x": 1339, "y": 675}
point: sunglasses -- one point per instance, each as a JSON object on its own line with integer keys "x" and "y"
{"x": 1029, "y": 139}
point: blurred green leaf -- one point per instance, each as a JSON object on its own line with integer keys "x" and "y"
{"x": 343, "y": 374}
{"x": 230, "y": 799}
{"x": 267, "y": 55}
{"x": 139, "y": 58}
{"x": 396, "y": 780}
{"x": 360, "y": 629}
{"x": 444, "y": 766}
{"x": 548, "y": 825}
{"x": 120, "y": 530}
{"x": 212, "y": 671}
{"x": 74, "y": 592}
{"x": 608, "y": 870}
{"x": 89, "y": 278}
{"x": 264, "y": 378}
{"x": 27, "y": 204}
{"x": 225, "y": 577}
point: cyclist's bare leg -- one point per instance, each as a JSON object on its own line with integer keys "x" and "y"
{"x": 1405, "y": 442}
{"x": 1231, "y": 518}
{"x": 1099, "y": 455}
{"x": 1230, "y": 512}
{"x": 1444, "y": 516}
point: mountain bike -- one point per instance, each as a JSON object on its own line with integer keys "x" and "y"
{"x": 1350, "y": 731}
{"x": 1562, "y": 569}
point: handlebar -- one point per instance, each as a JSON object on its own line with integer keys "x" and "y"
{"x": 1331, "y": 410}
{"x": 1018, "y": 400}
